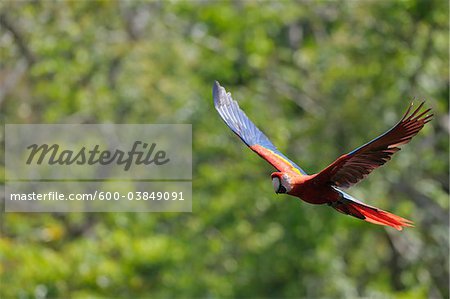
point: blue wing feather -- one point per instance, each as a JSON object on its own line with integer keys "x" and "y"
{"x": 241, "y": 125}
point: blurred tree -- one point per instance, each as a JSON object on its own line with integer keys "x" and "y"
{"x": 319, "y": 78}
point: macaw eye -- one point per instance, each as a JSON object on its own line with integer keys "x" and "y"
{"x": 276, "y": 184}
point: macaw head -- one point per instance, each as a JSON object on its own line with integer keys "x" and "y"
{"x": 281, "y": 182}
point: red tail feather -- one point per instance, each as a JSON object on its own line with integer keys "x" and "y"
{"x": 380, "y": 217}
{"x": 351, "y": 206}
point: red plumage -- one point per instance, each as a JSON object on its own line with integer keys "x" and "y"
{"x": 355, "y": 166}
{"x": 347, "y": 170}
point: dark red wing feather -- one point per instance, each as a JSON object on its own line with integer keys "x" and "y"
{"x": 349, "y": 169}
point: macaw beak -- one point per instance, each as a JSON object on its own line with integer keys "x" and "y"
{"x": 281, "y": 190}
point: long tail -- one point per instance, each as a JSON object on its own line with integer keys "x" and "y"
{"x": 350, "y": 206}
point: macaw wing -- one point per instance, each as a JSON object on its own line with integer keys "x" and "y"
{"x": 239, "y": 123}
{"x": 350, "y": 168}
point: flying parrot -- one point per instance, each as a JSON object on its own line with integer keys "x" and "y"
{"x": 325, "y": 187}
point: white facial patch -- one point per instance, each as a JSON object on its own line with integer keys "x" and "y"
{"x": 276, "y": 183}
{"x": 286, "y": 182}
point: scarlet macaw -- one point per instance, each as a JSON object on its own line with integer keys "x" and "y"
{"x": 347, "y": 170}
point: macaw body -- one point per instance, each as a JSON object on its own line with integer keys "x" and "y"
{"x": 325, "y": 187}
{"x": 306, "y": 188}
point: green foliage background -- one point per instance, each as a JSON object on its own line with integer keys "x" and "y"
{"x": 319, "y": 78}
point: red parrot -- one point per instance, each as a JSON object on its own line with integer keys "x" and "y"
{"x": 325, "y": 187}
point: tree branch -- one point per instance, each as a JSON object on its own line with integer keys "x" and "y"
{"x": 18, "y": 38}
